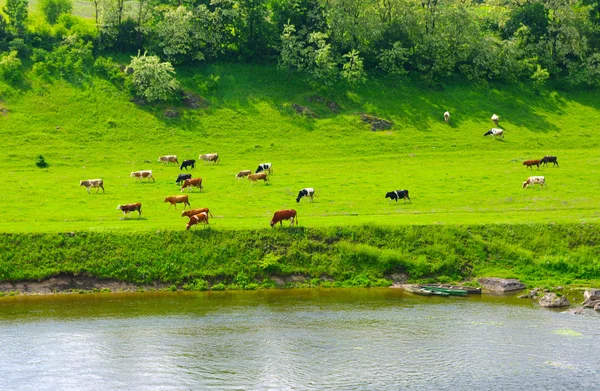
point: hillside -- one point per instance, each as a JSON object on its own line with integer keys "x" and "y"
{"x": 454, "y": 174}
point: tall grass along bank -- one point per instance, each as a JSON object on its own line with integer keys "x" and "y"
{"x": 331, "y": 256}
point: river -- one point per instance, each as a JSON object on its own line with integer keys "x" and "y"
{"x": 362, "y": 339}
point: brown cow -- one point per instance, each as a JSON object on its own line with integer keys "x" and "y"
{"x": 210, "y": 157}
{"x": 194, "y": 182}
{"x": 243, "y": 174}
{"x": 97, "y": 183}
{"x": 195, "y": 219}
{"x": 531, "y": 163}
{"x": 287, "y": 214}
{"x": 130, "y": 208}
{"x": 181, "y": 199}
{"x": 261, "y": 176}
{"x": 143, "y": 174}
{"x": 191, "y": 212}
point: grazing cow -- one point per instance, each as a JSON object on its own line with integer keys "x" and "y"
{"x": 549, "y": 159}
{"x": 210, "y": 157}
{"x": 194, "y": 182}
{"x": 168, "y": 159}
{"x": 495, "y": 119}
{"x": 191, "y": 212}
{"x": 243, "y": 174}
{"x": 531, "y": 163}
{"x": 195, "y": 219}
{"x": 143, "y": 174}
{"x": 306, "y": 192}
{"x": 97, "y": 183}
{"x": 181, "y": 199}
{"x": 495, "y": 132}
{"x": 183, "y": 177}
{"x": 131, "y": 208}
{"x": 264, "y": 167}
{"x": 398, "y": 194}
{"x": 261, "y": 176}
{"x": 288, "y": 214}
{"x": 447, "y": 117}
{"x": 187, "y": 163}
{"x": 535, "y": 180}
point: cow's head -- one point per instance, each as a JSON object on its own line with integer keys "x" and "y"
{"x": 389, "y": 194}
{"x": 80, "y": 183}
{"x": 525, "y": 183}
{"x": 272, "y": 223}
{"x": 119, "y": 207}
{"x": 167, "y": 200}
{"x": 488, "y": 132}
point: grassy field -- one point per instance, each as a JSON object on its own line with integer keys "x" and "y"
{"x": 453, "y": 173}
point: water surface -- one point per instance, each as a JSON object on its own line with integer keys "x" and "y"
{"x": 378, "y": 339}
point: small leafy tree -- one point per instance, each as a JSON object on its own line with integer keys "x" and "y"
{"x": 540, "y": 77}
{"x": 52, "y": 9}
{"x": 17, "y": 14}
{"x": 10, "y": 67}
{"x": 151, "y": 79}
{"x": 352, "y": 70}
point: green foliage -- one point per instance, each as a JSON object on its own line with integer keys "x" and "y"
{"x": 41, "y": 162}
{"x": 71, "y": 60}
{"x": 10, "y": 67}
{"x": 16, "y": 10}
{"x": 53, "y": 9}
{"x": 151, "y": 79}
{"x": 540, "y": 77}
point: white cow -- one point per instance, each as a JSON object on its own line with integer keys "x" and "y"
{"x": 447, "y": 117}
{"x": 495, "y": 119}
{"x": 142, "y": 174}
{"x": 168, "y": 159}
{"x": 535, "y": 180}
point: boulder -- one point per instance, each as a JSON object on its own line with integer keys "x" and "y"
{"x": 597, "y": 307}
{"x": 171, "y": 113}
{"x": 500, "y": 284}
{"x": 334, "y": 107}
{"x": 576, "y": 311}
{"x": 590, "y": 303}
{"x": 194, "y": 101}
{"x": 304, "y": 110}
{"x": 376, "y": 123}
{"x": 591, "y": 292}
{"x": 552, "y": 300}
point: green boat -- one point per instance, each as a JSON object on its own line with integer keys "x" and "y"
{"x": 451, "y": 292}
{"x": 423, "y": 292}
{"x": 468, "y": 289}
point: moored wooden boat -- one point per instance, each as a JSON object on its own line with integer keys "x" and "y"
{"x": 423, "y": 292}
{"x": 468, "y": 289}
{"x": 451, "y": 292}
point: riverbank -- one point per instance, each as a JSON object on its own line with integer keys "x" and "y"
{"x": 362, "y": 256}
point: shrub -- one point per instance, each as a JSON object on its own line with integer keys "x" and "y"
{"x": 10, "y": 67}
{"x": 152, "y": 79}
{"x": 41, "y": 162}
{"x": 52, "y": 9}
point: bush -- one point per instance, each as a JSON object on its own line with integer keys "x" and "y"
{"x": 41, "y": 162}
{"x": 152, "y": 79}
{"x": 52, "y": 9}
{"x": 10, "y": 67}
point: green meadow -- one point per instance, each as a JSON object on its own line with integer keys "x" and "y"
{"x": 455, "y": 175}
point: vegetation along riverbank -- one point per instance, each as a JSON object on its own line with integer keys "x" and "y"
{"x": 360, "y": 256}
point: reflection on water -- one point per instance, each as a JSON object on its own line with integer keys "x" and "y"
{"x": 379, "y": 339}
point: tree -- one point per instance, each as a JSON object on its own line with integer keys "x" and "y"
{"x": 352, "y": 70}
{"x": 151, "y": 79}
{"x": 17, "y": 14}
{"x": 52, "y": 9}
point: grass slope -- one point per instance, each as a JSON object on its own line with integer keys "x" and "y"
{"x": 455, "y": 176}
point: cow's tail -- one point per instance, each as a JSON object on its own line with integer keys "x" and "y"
{"x": 296, "y": 219}
{"x": 408, "y": 196}
{"x": 211, "y": 215}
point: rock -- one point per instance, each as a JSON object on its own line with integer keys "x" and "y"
{"x": 4, "y": 111}
{"x": 500, "y": 284}
{"x": 303, "y": 110}
{"x": 552, "y": 300}
{"x": 398, "y": 278}
{"x": 376, "y": 123}
{"x": 576, "y": 311}
{"x": 590, "y": 303}
{"x": 171, "y": 113}
{"x": 591, "y": 292}
{"x": 139, "y": 101}
{"x": 597, "y": 307}
{"x": 334, "y": 107}
{"x": 194, "y": 101}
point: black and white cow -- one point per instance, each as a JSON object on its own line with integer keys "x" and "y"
{"x": 398, "y": 194}
{"x": 183, "y": 177}
{"x": 187, "y": 163}
{"x": 306, "y": 192}
{"x": 264, "y": 167}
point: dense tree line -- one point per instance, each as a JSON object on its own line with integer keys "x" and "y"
{"x": 332, "y": 40}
